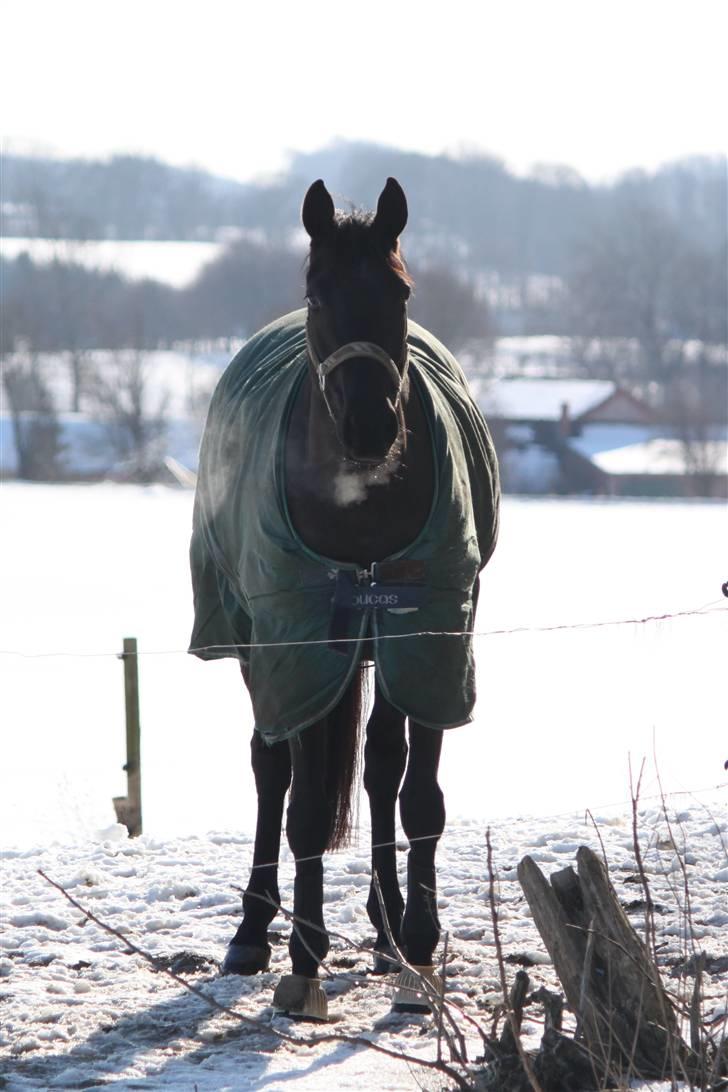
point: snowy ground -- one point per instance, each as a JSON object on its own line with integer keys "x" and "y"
{"x": 80, "y": 1011}
{"x": 174, "y": 263}
{"x": 559, "y": 714}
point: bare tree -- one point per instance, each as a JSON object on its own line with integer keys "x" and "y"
{"x": 449, "y": 306}
{"x": 242, "y": 289}
{"x": 72, "y": 307}
{"x": 696, "y": 404}
{"x": 135, "y": 421}
{"x": 36, "y": 429}
{"x": 622, "y": 283}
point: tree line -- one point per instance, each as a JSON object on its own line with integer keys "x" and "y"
{"x": 636, "y": 271}
{"x": 68, "y": 309}
{"x": 647, "y": 244}
{"x": 469, "y": 211}
{"x": 637, "y": 276}
{"x": 63, "y": 305}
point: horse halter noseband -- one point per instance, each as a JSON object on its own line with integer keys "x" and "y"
{"x": 347, "y": 352}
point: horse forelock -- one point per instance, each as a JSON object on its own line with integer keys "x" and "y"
{"x": 352, "y": 238}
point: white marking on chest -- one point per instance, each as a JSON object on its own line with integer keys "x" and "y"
{"x": 350, "y": 486}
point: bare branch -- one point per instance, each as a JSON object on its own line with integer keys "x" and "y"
{"x": 249, "y": 1021}
{"x": 525, "y": 1062}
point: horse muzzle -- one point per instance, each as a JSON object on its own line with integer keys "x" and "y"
{"x": 369, "y": 440}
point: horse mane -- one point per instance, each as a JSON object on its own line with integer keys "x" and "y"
{"x": 352, "y": 236}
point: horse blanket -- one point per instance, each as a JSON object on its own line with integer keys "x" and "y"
{"x": 260, "y": 594}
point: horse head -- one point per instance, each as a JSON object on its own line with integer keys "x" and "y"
{"x": 357, "y": 288}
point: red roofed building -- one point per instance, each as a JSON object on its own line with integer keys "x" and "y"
{"x": 591, "y": 436}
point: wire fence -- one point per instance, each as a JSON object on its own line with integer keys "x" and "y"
{"x": 713, "y": 607}
{"x": 716, "y": 606}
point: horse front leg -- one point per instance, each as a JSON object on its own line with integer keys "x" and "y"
{"x": 249, "y": 950}
{"x": 308, "y": 826}
{"x": 385, "y": 755}
{"x": 422, "y": 811}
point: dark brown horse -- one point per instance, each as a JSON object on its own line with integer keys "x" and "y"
{"x": 366, "y": 473}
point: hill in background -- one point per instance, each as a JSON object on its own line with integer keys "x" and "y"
{"x": 630, "y": 276}
{"x": 470, "y": 211}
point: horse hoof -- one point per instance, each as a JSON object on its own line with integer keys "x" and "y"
{"x": 416, "y": 990}
{"x": 296, "y": 995}
{"x": 385, "y": 961}
{"x": 246, "y": 959}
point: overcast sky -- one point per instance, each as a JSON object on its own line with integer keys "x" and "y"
{"x": 233, "y": 86}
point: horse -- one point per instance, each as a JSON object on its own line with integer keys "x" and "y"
{"x": 347, "y": 500}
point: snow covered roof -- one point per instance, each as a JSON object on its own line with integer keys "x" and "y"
{"x": 597, "y": 439}
{"x": 662, "y": 456}
{"x": 637, "y": 449}
{"x": 543, "y": 399}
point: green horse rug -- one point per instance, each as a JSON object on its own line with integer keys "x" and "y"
{"x": 300, "y": 624}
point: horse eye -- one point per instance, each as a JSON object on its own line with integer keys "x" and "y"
{"x": 313, "y": 302}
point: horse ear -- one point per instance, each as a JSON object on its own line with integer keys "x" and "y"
{"x": 318, "y": 210}
{"x": 391, "y": 215}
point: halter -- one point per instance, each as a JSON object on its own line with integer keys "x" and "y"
{"x": 352, "y": 349}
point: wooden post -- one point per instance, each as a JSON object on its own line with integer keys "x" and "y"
{"x": 129, "y": 808}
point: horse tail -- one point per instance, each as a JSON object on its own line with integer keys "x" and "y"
{"x": 343, "y": 757}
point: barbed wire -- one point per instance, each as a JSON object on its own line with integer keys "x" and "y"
{"x": 716, "y": 606}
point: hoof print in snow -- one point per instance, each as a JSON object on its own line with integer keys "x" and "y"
{"x": 520, "y": 959}
{"x": 184, "y": 963}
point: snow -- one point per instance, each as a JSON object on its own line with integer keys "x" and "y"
{"x": 175, "y": 263}
{"x": 547, "y": 346}
{"x": 542, "y": 399}
{"x": 561, "y": 713}
{"x": 594, "y": 439}
{"x": 635, "y": 449}
{"x": 81, "y": 1009}
{"x": 92, "y": 564}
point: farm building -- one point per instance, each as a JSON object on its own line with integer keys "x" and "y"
{"x": 592, "y": 436}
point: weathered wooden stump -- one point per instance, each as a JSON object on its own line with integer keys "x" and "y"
{"x": 626, "y": 1023}
{"x": 625, "y": 1020}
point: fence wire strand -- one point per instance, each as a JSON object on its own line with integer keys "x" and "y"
{"x": 716, "y": 606}
{"x": 713, "y": 607}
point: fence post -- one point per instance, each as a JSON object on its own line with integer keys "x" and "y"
{"x": 129, "y": 808}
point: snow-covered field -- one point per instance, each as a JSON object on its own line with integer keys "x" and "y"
{"x": 172, "y": 262}
{"x": 560, "y": 712}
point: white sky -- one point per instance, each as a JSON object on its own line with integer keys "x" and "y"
{"x": 232, "y": 86}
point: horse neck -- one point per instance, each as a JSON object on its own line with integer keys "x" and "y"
{"x": 347, "y": 512}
